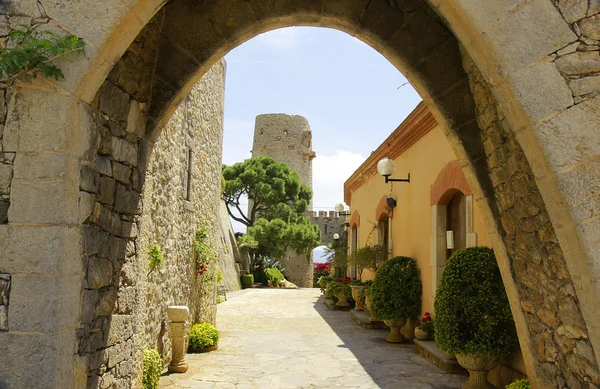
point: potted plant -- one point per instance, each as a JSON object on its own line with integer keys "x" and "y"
{"x": 473, "y": 317}
{"x": 357, "y": 287}
{"x": 203, "y": 337}
{"x": 396, "y": 294}
{"x": 365, "y": 293}
{"x": 519, "y": 384}
{"x": 330, "y": 286}
{"x": 342, "y": 292}
{"x": 424, "y": 329}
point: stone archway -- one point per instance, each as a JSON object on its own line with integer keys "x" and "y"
{"x": 504, "y": 95}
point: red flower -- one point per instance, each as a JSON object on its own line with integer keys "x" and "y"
{"x": 418, "y": 323}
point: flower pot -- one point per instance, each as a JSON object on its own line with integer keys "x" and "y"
{"x": 342, "y": 300}
{"x": 368, "y": 306}
{"x": 395, "y": 325}
{"x": 420, "y": 334}
{"x": 357, "y": 298}
{"x": 478, "y": 367}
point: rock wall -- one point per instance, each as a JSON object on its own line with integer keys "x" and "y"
{"x": 230, "y": 259}
{"x": 131, "y": 207}
{"x": 329, "y": 224}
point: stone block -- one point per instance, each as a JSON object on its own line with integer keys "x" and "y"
{"x": 45, "y": 166}
{"x": 106, "y": 190}
{"x": 40, "y": 249}
{"x": 584, "y": 202}
{"x": 590, "y": 27}
{"x": 594, "y": 7}
{"x": 106, "y": 302}
{"x": 136, "y": 120}
{"x": 20, "y": 356}
{"x": 106, "y": 219}
{"x": 579, "y": 63}
{"x": 57, "y": 311}
{"x": 40, "y": 121}
{"x": 573, "y": 10}
{"x": 541, "y": 91}
{"x": 126, "y": 300}
{"x": 533, "y": 31}
{"x": 44, "y": 201}
{"x": 124, "y": 151}
{"x": 89, "y": 179}
{"x": 99, "y": 273}
{"x": 114, "y": 102}
{"x": 121, "y": 172}
{"x": 4, "y": 205}
{"x": 3, "y": 318}
{"x": 126, "y": 200}
{"x": 104, "y": 166}
{"x": 86, "y": 205}
{"x": 585, "y": 85}
{"x": 6, "y": 174}
{"x": 120, "y": 330}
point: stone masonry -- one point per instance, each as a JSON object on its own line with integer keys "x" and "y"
{"x": 63, "y": 232}
{"x": 288, "y": 139}
{"x": 329, "y": 224}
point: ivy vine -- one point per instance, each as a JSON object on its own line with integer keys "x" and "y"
{"x": 30, "y": 51}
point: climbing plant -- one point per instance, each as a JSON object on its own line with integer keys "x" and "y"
{"x": 27, "y": 50}
{"x": 206, "y": 268}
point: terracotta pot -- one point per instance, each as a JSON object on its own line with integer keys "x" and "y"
{"x": 395, "y": 335}
{"x": 357, "y": 298}
{"x": 478, "y": 367}
{"x": 420, "y": 334}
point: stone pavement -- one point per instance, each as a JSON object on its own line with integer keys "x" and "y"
{"x": 287, "y": 338}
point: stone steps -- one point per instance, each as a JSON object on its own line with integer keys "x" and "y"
{"x": 430, "y": 351}
{"x": 362, "y": 318}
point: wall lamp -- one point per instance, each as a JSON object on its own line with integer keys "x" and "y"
{"x": 386, "y": 167}
{"x": 339, "y": 208}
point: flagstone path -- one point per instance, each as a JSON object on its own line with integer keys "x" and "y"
{"x": 287, "y": 338}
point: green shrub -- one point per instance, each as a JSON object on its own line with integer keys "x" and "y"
{"x": 396, "y": 290}
{"x": 519, "y": 384}
{"x": 366, "y": 291}
{"x": 472, "y": 313}
{"x": 203, "y": 335}
{"x": 273, "y": 273}
{"x": 152, "y": 369}
{"x": 156, "y": 257}
{"x": 337, "y": 288}
{"x": 247, "y": 279}
{"x": 324, "y": 280}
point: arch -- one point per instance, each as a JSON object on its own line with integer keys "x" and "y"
{"x": 382, "y": 209}
{"x": 450, "y": 178}
{"x": 355, "y": 220}
{"x": 502, "y": 102}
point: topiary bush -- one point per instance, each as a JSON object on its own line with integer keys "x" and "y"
{"x": 472, "y": 313}
{"x": 152, "y": 369}
{"x": 396, "y": 290}
{"x": 247, "y": 279}
{"x": 203, "y": 335}
{"x": 519, "y": 384}
{"x": 273, "y": 273}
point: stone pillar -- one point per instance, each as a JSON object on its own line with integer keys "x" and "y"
{"x": 178, "y": 316}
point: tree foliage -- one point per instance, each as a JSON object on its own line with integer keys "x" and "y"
{"x": 278, "y": 199}
{"x": 30, "y": 51}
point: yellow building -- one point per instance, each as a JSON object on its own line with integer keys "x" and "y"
{"x": 436, "y": 200}
{"x": 434, "y": 214}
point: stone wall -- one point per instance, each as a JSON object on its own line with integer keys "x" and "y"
{"x": 329, "y": 223}
{"x": 230, "y": 259}
{"x": 132, "y": 207}
{"x": 558, "y": 333}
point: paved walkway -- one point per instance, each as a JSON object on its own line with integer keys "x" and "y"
{"x": 287, "y": 338}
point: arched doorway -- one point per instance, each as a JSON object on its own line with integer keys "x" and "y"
{"x": 456, "y": 223}
{"x": 493, "y": 86}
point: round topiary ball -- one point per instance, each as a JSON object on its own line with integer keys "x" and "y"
{"x": 472, "y": 313}
{"x": 396, "y": 290}
{"x": 203, "y": 335}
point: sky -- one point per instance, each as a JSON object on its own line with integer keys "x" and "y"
{"x": 350, "y": 94}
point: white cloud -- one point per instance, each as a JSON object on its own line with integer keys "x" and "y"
{"x": 283, "y": 38}
{"x": 329, "y": 174}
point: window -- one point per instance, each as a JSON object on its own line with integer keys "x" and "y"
{"x": 187, "y": 178}
{"x": 325, "y": 230}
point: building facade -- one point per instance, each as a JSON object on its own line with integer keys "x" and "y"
{"x": 434, "y": 214}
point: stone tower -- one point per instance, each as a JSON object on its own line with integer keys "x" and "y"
{"x": 288, "y": 139}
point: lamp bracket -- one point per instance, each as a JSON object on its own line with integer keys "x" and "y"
{"x": 388, "y": 179}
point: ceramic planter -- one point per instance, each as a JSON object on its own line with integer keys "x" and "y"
{"x": 356, "y": 289}
{"x": 420, "y": 334}
{"x": 342, "y": 300}
{"x": 478, "y": 367}
{"x": 395, "y": 335}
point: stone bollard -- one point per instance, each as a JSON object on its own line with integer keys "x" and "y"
{"x": 178, "y": 316}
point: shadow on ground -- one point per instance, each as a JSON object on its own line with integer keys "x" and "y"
{"x": 389, "y": 365}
